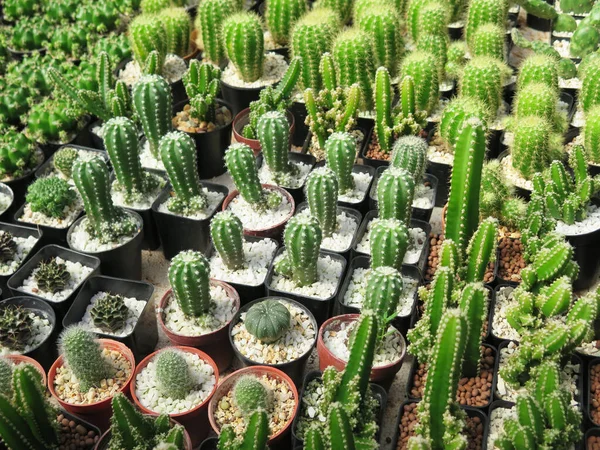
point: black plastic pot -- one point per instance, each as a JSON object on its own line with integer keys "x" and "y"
{"x": 124, "y": 260}
{"x": 320, "y": 308}
{"x": 379, "y": 393}
{"x": 24, "y": 232}
{"x": 19, "y": 186}
{"x": 590, "y": 433}
{"x": 50, "y": 251}
{"x": 210, "y": 147}
{"x": 538, "y": 23}
{"x": 47, "y": 167}
{"x": 51, "y": 235}
{"x": 294, "y": 157}
{"x": 239, "y": 97}
{"x": 294, "y": 369}
{"x": 414, "y": 223}
{"x": 298, "y": 109}
{"x": 210, "y": 443}
{"x": 19, "y": 55}
{"x": 587, "y": 249}
{"x": 97, "y": 141}
{"x": 493, "y": 339}
{"x": 178, "y": 233}
{"x": 588, "y": 400}
{"x": 456, "y": 32}
{"x": 418, "y": 213}
{"x": 142, "y": 340}
{"x": 6, "y": 190}
{"x": 45, "y": 352}
{"x": 401, "y": 323}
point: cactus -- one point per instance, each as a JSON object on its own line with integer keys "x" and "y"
{"x": 589, "y": 96}
{"x": 226, "y": 232}
{"x": 250, "y": 394}
{"x": 481, "y": 12}
{"x": 68, "y": 41}
{"x": 202, "y": 83}
{"x": 340, "y": 151}
{"x": 564, "y": 23}
{"x": 413, "y": 17}
{"x": 473, "y": 304}
{"x": 576, "y": 6}
{"x": 584, "y": 41}
{"x": 343, "y": 8}
{"x": 458, "y": 111}
{"x": 481, "y": 250}
{"x": 591, "y": 134}
{"x": 17, "y": 154}
{"x": 417, "y": 65}
{"x": 497, "y": 198}
{"x": 173, "y": 377}
{"x": 281, "y": 17}
{"x": 8, "y": 246}
{"x": 13, "y": 10}
{"x": 539, "y": 8}
{"x": 268, "y": 321}
{"x": 146, "y": 34}
{"x": 178, "y": 27}
{"x": 482, "y": 79}
{"x": 156, "y": 6}
{"x": 437, "y": 46}
{"x": 83, "y": 354}
{"x": 211, "y": 15}
{"x": 410, "y": 153}
{"x": 16, "y": 325}
{"x": 244, "y": 45}
{"x": 538, "y": 100}
{"x": 64, "y": 159}
{"x": 6, "y": 368}
{"x": 432, "y": 20}
{"x": 51, "y": 196}
{"x": 110, "y": 313}
{"x": 538, "y": 69}
{"x": 383, "y": 291}
{"x": 153, "y": 104}
{"x": 99, "y": 17}
{"x": 52, "y": 120}
{"x": 255, "y": 436}
{"x": 274, "y": 136}
{"x": 382, "y": 24}
{"x": 30, "y": 33}
{"x": 321, "y": 196}
{"x": 388, "y": 243}
{"x": 52, "y": 276}
{"x": 489, "y": 41}
{"x": 395, "y": 192}
{"x": 455, "y": 59}
{"x": 189, "y": 278}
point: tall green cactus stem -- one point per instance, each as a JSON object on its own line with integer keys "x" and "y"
{"x": 480, "y": 252}
{"x": 395, "y": 192}
{"x": 339, "y": 428}
{"x": 274, "y": 137}
{"x": 437, "y": 45}
{"x": 388, "y": 243}
{"x": 439, "y": 298}
{"x": 281, "y": 17}
{"x": 189, "y": 278}
{"x": 489, "y": 40}
{"x": 538, "y": 69}
{"x": 417, "y": 65}
{"x": 340, "y": 153}
{"x": 481, "y": 12}
{"x": 413, "y": 15}
{"x": 202, "y": 82}
{"x": 482, "y": 79}
{"x": 462, "y": 216}
{"x": 382, "y": 24}
{"x": 589, "y": 96}
{"x": 455, "y": 114}
{"x": 322, "y": 196}
{"x": 384, "y": 288}
{"x": 592, "y": 134}
{"x": 473, "y": 304}
{"x": 538, "y": 100}
{"x": 6, "y": 368}
{"x": 410, "y": 153}
{"x": 177, "y": 24}
{"x": 343, "y": 8}
{"x": 153, "y": 104}
{"x": 178, "y": 154}
{"x": 244, "y": 45}
{"x": 449, "y": 255}
{"x": 384, "y": 121}
{"x": 210, "y": 18}
{"x": 227, "y": 234}
{"x": 255, "y": 436}
{"x": 146, "y": 34}
{"x": 432, "y": 20}
{"x": 354, "y": 64}
{"x": 302, "y": 238}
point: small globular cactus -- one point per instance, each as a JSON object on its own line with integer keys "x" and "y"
{"x": 410, "y": 153}
{"x": 146, "y": 35}
{"x": 250, "y": 394}
{"x": 189, "y": 278}
{"x": 64, "y": 159}
{"x": 16, "y": 326}
{"x": 177, "y": 24}
{"x": 395, "y": 192}
{"x": 51, "y": 196}
{"x": 274, "y": 136}
{"x": 31, "y": 33}
{"x": 227, "y": 234}
{"x": 52, "y": 276}
{"x": 110, "y": 313}
{"x": 322, "y": 196}
{"x": 340, "y": 153}
{"x": 244, "y": 44}
{"x": 482, "y": 79}
{"x": 489, "y": 40}
{"x": 173, "y": 377}
{"x": 538, "y": 69}
{"x": 388, "y": 243}
{"x": 210, "y": 18}
{"x": 281, "y": 16}
{"x": 268, "y": 320}
{"x": 418, "y": 66}
{"x": 592, "y": 134}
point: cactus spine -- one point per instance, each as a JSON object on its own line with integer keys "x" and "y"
{"x": 538, "y": 69}
{"x": 589, "y": 95}
{"x": 410, "y": 153}
{"x": 481, "y": 12}
{"x": 274, "y": 136}
{"x": 418, "y": 66}
{"x": 395, "y": 192}
{"x": 146, "y": 34}
{"x": 321, "y": 196}
{"x": 592, "y": 134}
{"x": 281, "y": 17}
{"x": 189, "y": 278}
{"x": 178, "y": 28}
{"x": 482, "y": 79}
{"x": 473, "y": 305}
{"x": 481, "y": 250}
{"x": 384, "y": 287}
{"x": 489, "y": 40}
{"x": 455, "y": 114}
{"x": 244, "y": 44}
{"x": 340, "y": 152}
{"x": 388, "y": 243}
{"x": 210, "y": 18}
{"x": 226, "y": 232}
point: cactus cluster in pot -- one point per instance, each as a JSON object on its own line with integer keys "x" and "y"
{"x": 247, "y": 58}
{"x": 16, "y": 325}
{"x": 17, "y": 154}
{"x": 202, "y": 85}
{"x": 51, "y": 196}
{"x": 274, "y": 136}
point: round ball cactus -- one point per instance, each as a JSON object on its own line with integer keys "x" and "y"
{"x": 64, "y": 159}
{"x": 268, "y": 320}
{"x": 173, "y": 376}
{"x": 410, "y": 153}
{"x": 250, "y": 394}
{"x": 110, "y": 313}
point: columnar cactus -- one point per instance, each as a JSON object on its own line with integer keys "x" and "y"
{"x": 432, "y": 20}
{"x": 210, "y": 18}
{"x": 456, "y": 59}
{"x": 302, "y": 238}
{"x": 268, "y": 321}
{"x": 410, "y": 153}
{"x": 589, "y": 96}
{"x": 489, "y": 40}
{"x": 455, "y": 114}
{"x": 538, "y": 69}
{"x": 481, "y": 12}
{"x": 382, "y": 24}
{"x": 388, "y": 243}
{"x": 436, "y": 45}
{"x": 473, "y": 305}
{"x": 255, "y": 437}
{"x": 481, "y": 250}
{"x": 282, "y": 16}
{"x": 146, "y": 34}
{"x": 482, "y": 79}
{"x": 418, "y": 66}
{"x": 395, "y": 192}
{"x": 384, "y": 288}
{"x": 189, "y": 278}
{"x": 173, "y": 376}
{"x": 538, "y": 100}
{"x": 244, "y": 44}
{"x": 340, "y": 153}
{"x": 274, "y": 137}
{"x": 592, "y": 134}
{"x": 227, "y": 234}
{"x": 153, "y": 104}
{"x": 321, "y": 196}
{"x": 178, "y": 27}
{"x": 343, "y": 8}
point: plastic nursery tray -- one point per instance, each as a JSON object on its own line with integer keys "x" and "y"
{"x": 51, "y": 235}
{"x": 401, "y": 323}
{"x": 50, "y": 251}
{"x": 48, "y": 165}
{"x": 144, "y": 336}
{"x": 493, "y": 339}
{"x": 294, "y": 157}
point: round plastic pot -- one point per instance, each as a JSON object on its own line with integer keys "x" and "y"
{"x": 22, "y": 359}
{"x": 195, "y": 420}
{"x": 210, "y": 147}
{"x": 23, "y": 232}
{"x": 228, "y": 383}
{"x": 294, "y": 158}
{"x": 142, "y": 339}
{"x": 294, "y": 369}
{"x": 104, "y": 441}
{"x": 215, "y": 344}
{"x": 538, "y": 23}
{"x": 239, "y": 97}
{"x": 243, "y": 118}
{"x": 45, "y": 352}
{"x": 178, "y": 233}
{"x": 274, "y": 231}
{"x": 19, "y": 187}
{"x": 6, "y": 190}
{"x": 587, "y": 249}
{"x": 123, "y": 261}
{"x": 327, "y": 358}
{"x": 51, "y": 235}
{"x": 98, "y": 413}
{"x": 19, "y": 55}
{"x": 590, "y": 433}
{"x": 456, "y": 32}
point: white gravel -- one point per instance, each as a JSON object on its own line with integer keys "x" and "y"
{"x": 71, "y": 212}
{"x": 578, "y": 120}
{"x": 296, "y": 181}
{"x": 500, "y": 326}
{"x": 416, "y": 243}
{"x": 78, "y": 272}
{"x": 86, "y": 155}
{"x": 588, "y": 225}
{"x": 173, "y": 70}
{"x": 436, "y": 115}
{"x": 497, "y": 419}
{"x": 118, "y": 196}
{"x": 41, "y": 329}
{"x": 362, "y": 181}
{"x": 434, "y": 155}
{"x": 5, "y": 202}
{"x": 82, "y": 241}
{"x": 24, "y": 246}
{"x": 148, "y": 160}
{"x": 569, "y": 83}
{"x": 513, "y": 176}
{"x": 273, "y": 70}
{"x": 214, "y": 199}
{"x": 134, "y": 306}
{"x": 563, "y": 47}
{"x": 341, "y": 239}
{"x": 329, "y": 273}
{"x": 147, "y": 392}
{"x": 256, "y": 220}
{"x": 258, "y": 255}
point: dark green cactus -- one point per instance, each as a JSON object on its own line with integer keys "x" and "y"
{"x": 383, "y": 291}
{"x": 395, "y": 192}
{"x": 17, "y": 154}
{"x": 481, "y": 250}
{"x": 340, "y": 153}
{"x": 388, "y": 243}
{"x": 100, "y": 17}
{"x": 227, "y": 234}
{"x": 110, "y": 313}
{"x": 16, "y": 326}
{"x": 189, "y": 278}
{"x": 30, "y": 33}
{"x": 268, "y": 320}
{"x": 592, "y": 135}
{"x": 146, "y": 34}
{"x": 69, "y": 41}
{"x": 473, "y": 305}
{"x": 255, "y": 436}
{"x": 410, "y": 153}
{"x": 244, "y": 44}
{"x": 202, "y": 84}
{"x": 274, "y": 136}
{"x": 322, "y": 196}
{"x": 455, "y": 114}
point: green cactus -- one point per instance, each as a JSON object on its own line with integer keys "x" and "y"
{"x": 173, "y": 377}
{"x": 156, "y": 6}
{"x": 110, "y": 313}
{"x": 473, "y": 304}
{"x": 584, "y": 41}
{"x": 388, "y": 243}
{"x": 268, "y": 321}
{"x": 17, "y": 326}
{"x": 564, "y": 23}
{"x": 202, "y": 84}
{"x": 489, "y": 41}
{"x": 146, "y": 34}
{"x": 274, "y": 136}
{"x": 481, "y": 250}
{"x": 281, "y": 17}
{"x": 539, "y": 8}
{"x": 410, "y": 153}
{"x": 178, "y": 27}
{"x": 458, "y": 111}
{"x": 417, "y": 65}
{"x": 17, "y": 154}
{"x": 211, "y": 15}
{"x": 432, "y": 20}
{"x": 589, "y": 95}
{"x": 189, "y": 278}
{"x": 8, "y": 246}
{"x": 6, "y": 368}
{"x": 343, "y": 8}
{"x": 250, "y": 394}
{"x": 30, "y": 33}
{"x": 437, "y": 46}
{"x": 395, "y": 192}
{"x": 591, "y": 132}
{"x": 244, "y": 44}
{"x": 576, "y": 6}
{"x": 497, "y": 196}
{"x": 255, "y": 436}
{"x": 413, "y": 16}
{"x": 382, "y": 24}
{"x": 99, "y": 17}
{"x": 69, "y": 41}
{"x": 456, "y": 59}
{"x": 226, "y": 232}
{"x": 321, "y": 196}
{"x": 383, "y": 291}
{"x": 52, "y": 120}
{"x": 340, "y": 153}
{"x": 52, "y": 276}
{"x": 481, "y": 12}
{"x": 51, "y": 196}
{"x": 538, "y": 100}
{"x": 13, "y": 10}
{"x": 482, "y": 79}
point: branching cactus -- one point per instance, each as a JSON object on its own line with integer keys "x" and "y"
{"x": 538, "y": 69}
{"x": 395, "y": 192}
{"x": 255, "y": 436}
{"x": 539, "y": 100}
{"x": 146, "y": 34}
{"x": 227, "y": 234}
{"x": 474, "y": 307}
{"x": 462, "y": 216}
{"x": 322, "y": 196}
{"x": 388, "y": 243}
{"x": 210, "y": 18}
{"x": 153, "y": 104}
{"x": 189, "y": 278}
{"x": 382, "y": 24}
{"x": 482, "y": 79}
{"x": 302, "y": 238}
{"x": 282, "y": 16}
{"x": 244, "y": 44}
{"x": 340, "y": 153}
{"x": 202, "y": 83}
{"x": 410, "y": 153}
{"x": 417, "y": 65}
{"x": 455, "y": 114}
{"x": 268, "y": 321}
{"x": 173, "y": 376}
{"x": 481, "y": 12}
{"x": 550, "y": 262}
{"x": 489, "y": 40}
{"x": 274, "y": 136}
{"x": 589, "y": 96}
{"x": 481, "y": 250}
{"x": 592, "y": 134}
{"x": 177, "y": 24}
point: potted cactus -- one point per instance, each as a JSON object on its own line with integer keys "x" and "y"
{"x": 197, "y": 310}
{"x": 78, "y": 378}
{"x": 183, "y": 210}
{"x": 17, "y": 243}
{"x": 60, "y": 164}
{"x": 29, "y": 34}
{"x": 185, "y": 379}
{"x": 263, "y": 209}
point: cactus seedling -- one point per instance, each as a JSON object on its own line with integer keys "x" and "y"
{"x": 538, "y": 100}
{"x": 395, "y": 192}
{"x": 538, "y": 69}
{"x": 589, "y": 96}
{"x": 202, "y": 83}
{"x": 189, "y": 278}
{"x": 281, "y": 17}
{"x": 244, "y": 45}
{"x": 173, "y": 375}
{"x": 482, "y": 79}
{"x": 268, "y": 320}
{"x": 322, "y": 196}
{"x": 340, "y": 153}
{"x": 110, "y": 313}
{"x": 146, "y": 34}
{"x": 52, "y": 276}
{"x": 250, "y": 394}
{"x": 51, "y": 196}
{"x": 64, "y": 159}
{"x": 226, "y": 232}
{"x": 274, "y": 136}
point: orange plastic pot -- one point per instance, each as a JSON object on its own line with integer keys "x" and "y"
{"x": 243, "y": 118}
{"x": 215, "y": 344}
{"x": 194, "y": 50}
{"x": 275, "y": 231}
{"x": 326, "y": 358}
{"x": 96, "y": 413}
{"x": 227, "y": 384}
{"x": 193, "y": 420}
{"x": 21, "y": 359}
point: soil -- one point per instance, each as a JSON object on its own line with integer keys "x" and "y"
{"x": 595, "y": 393}
{"x": 593, "y": 443}
{"x": 374, "y": 150}
{"x": 74, "y": 436}
{"x": 183, "y": 122}
{"x": 511, "y": 255}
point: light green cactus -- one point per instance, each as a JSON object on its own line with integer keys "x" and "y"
{"x": 173, "y": 375}
{"x": 255, "y": 435}
{"x": 410, "y": 153}
{"x": 388, "y": 243}
{"x": 538, "y": 69}
{"x": 146, "y": 34}
{"x": 482, "y": 79}
{"x": 177, "y": 24}
{"x": 538, "y": 100}
{"x": 489, "y": 40}
{"x": 481, "y": 12}
{"x": 189, "y": 273}
{"x": 343, "y": 8}
{"x": 340, "y": 153}
{"x": 250, "y": 394}
{"x": 210, "y": 17}
{"x": 382, "y": 24}
{"x": 589, "y": 96}
{"x": 456, "y": 113}
{"x": 244, "y": 44}
{"x": 474, "y": 307}
{"x": 321, "y": 196}
{"x": 281, "y": 17}
{"x": 274, "y": 136}
{"x": 591, "y": 133}
{"x": 227, "y": 234}
{"x": 395, "y": 192}
{"x": 417, "y": 65}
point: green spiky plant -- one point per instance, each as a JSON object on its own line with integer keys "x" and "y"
{"x": 177, "y": 24}
{"x": 244, "y": 45}
{"x": 173, "y": 377}
{"x": 210, "y": 17}
{"x": 481, "y": 12}
{"x": 53, "y": 120}
{"x": 255, "y": 435}
{"x": 227, "y": 234}
{"x": 202, "y": 84}
{"x": 388, "y": 243}
{"x": 395, "y": 192}
{"x": 497, "y": 197}
{"x": 539, "y": 100}
{"x": 110, "y": 313}
{"x": 417, "y": 65}
{"x": 30, "y": 33}
{"x": 147, "y": 35}
{"x": 17, "y": 154}
{"x": 340, "y": 154}
{"x": 338, "y": 434}
{"x": 268, "y": 321}
{"x": 281, "y": 17}
{"x": 456, "y": 59}
{"x": 156, "y": 6}
{"x": 458, "y": 111}
{"x": 6, "y": 368}
{"x": 591, "y": 132}
{"x": 589, "y": 96}
{"x": 52, "y": 276}
{"x": 482, "y": 79}
{"x": 410, "y": 153}
{"x": 322, "y": 196}
{"x": 64, "y": 159}
{"x": 68, "y": 41}
{"x": 116, "y": 45}
{"x": 538, "y": 69}
{"x": 251, "y": 394}
{"x": 13, "y": 10}
{"x": 99, "y": 17}
{"x": 383, "y": 291}
{"x": 343, "y": 8}
{"x": 16, "y": 326}
{"x": 51, "y": 196}
{"x": 489, "y": 40}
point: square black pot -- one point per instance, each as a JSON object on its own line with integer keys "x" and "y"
{"x": 19, "y": 185}
{"x": 47, "y": 252}
{"x": 51, "y": 235}
{"x": 48, "y": 165}
{"x": 143, "y": 338}
{"x": 294, "y": 157}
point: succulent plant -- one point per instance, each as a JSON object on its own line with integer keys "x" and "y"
{"x": 382, "y": 24}
{"x": 584, "y": 40}
{"x": 268, "y": 320}
{"x": 189, "y": 278}
{"x": 17, "y": 154}
{"x": 274, "y": 136}
{"x": 16, "y": 325}
{"x": 63, "y": 160}
{"x": 473, "y": 305}
{"x": 61, "y": 10}
{"x": 383, "y": 291}
{"x": 211, "y": 15}
{"x": 14, "y": 10}
{"x": 539, "y": 100}
{"x": 14, "y": 102}
{"x": 8, "y": 246}
{"x": 322, "y": 196}
{"x": 589, "y": 96}
{"x": 538, "y": 69}
{"x": 227, "y": 234}
{"x": 244, "y": 45}
{"x": 6, "y": 368}
{"x": 202, "y": 84}
{"x": 281, "y": 17}
{"x": 340, "y": 153}
{"x": 250, "y": 394}
{"x": 110, "y": 313}
{"x": 30, "y": 33}
{"x": 497, "y": 196}
{"x": 481, "y": 12}
{"x": 417, "y": 65}
{"x": 69, "y": 41}
{"x": 255, "y": 436}
{"x": 456, "y": 58}
{"x": 173, "y": 376}
{"x": 343, "y": 8}
{"x": 388, "y": 243}
{"x": 489, "y": 40}
{"x": 395, "y": 192}
{"x": 591, "y": 134}
{"x": 52, "y": 120}
{"x": 115, "y": 45}
{"x": 177, "y": 24}
{"x": 99, "y": 17}
{"x": 51, "y": 196}
{"x": 410, "y": 153}
{"x": 52, "y": 276}
{"x": 146, "y": 34}
{"x": 157, "y": 6}
{"x": 482, "y": 79}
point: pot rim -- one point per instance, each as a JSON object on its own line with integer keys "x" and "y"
{"x": 221, "y": 128}
{"x": 35, "y": 303}
{"x": 246, "y": 112}
{"x": 23, "y": 359}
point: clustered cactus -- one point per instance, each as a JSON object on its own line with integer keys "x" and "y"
{"x": 64, "y": 159}
{"x": 17, "y": 154}
{"x": 110, "y": 313}
{"x": 497, "y": 197}
{"x": 51, "y": 196}
{"x": 202, "y": 84}
{"x": 267, "y": 320}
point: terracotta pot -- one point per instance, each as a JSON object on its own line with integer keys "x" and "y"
{"x": 227, "y": 384}
{"x": 104, "y": 440}
{"x": 274, "y": 231}
{"x": 215, "y": 344}
{"x": 194, "y": 50}
{"x": 98, "y": 413}
{"x": 193, "y": 420}
{"x": 243, "y": 118}
{"x": 21, "y": 359}
{"x": 326, "y": 358}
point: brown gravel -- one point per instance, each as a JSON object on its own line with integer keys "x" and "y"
{"x": 475, "y": 391}
{"x": 593, "y": 443}
{"x": 511, "y": 255}
{"x": 183, "y": 122}
{"x": 75, "y": 436}
{"x": 595, "y": 393}
{"x": 374, "y": 150}
{"x": 473, "y": 429}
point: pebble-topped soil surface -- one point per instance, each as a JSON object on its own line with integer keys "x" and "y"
{"x": 74, "y": 436}
{"x": 595, "y": 394}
